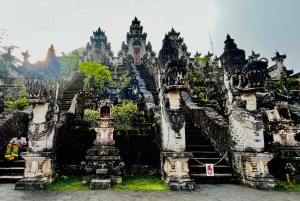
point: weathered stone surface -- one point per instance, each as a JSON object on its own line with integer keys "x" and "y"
{"x": 29, "y": 184}
{"x": 100, "y": 183}
{"x": 115, "y": 179}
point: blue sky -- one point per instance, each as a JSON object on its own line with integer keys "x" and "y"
{"x": 262, "y": 25}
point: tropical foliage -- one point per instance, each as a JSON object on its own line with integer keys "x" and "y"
{"x": 126, "y": 114}
{"x": 100, "y": 73}
{"x": 124, "y": 81}
{"x": 291, "y": 84}
{"x": 17, "y": 103}
{"x": 90, "y": 116}
{"x": 68, "y": 63}
{"x": 202, "y": 59}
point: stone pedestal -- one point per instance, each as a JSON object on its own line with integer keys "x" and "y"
{"x": 176, "y": 171}
{"x": 256, "y": 171}
{"x": 100, "y": 163}
{"x": 38, "y": 171}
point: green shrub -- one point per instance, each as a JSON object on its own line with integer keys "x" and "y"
{"x": 8, "y": 98}
{"x": 124, "y": 81}
{"x": 90, "y": 116}
{"x": 125, "y": 114}
{"x": 201, "y": 96}
{"x": 19, "y": 104}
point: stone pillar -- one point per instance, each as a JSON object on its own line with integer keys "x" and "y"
{"x": 41, "y": 133}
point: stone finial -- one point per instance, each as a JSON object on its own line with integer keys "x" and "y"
{"x": 278, "y": 57}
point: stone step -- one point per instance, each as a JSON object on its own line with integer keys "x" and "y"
{"x": 218, "y": 169}
{"x": 12, "y": 168}
{"x": 216, "y": 175}
{"x": 68, "y": 96}
{"x": 199, "y": 148}
{"x": 11, "y": 177}
{"x": 147, "y": 77}
{"x": 193, "y": 161}
{"x": 197, "y": 142}
{"x": 205, "y": 154}
{"x": 69, "y": 93}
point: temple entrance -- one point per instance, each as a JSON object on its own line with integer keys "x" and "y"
{"x": 137, "y": 58}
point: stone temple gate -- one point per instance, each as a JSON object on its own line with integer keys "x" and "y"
{"x": 236, "y": 115}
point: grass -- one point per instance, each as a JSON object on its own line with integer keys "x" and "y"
{"x": 67, "y": 182}
{"x": 140, "y": 182}
{"x": 135, "y": 182}
{"x": 285, "y": 186}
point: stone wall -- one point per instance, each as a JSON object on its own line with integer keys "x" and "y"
{"x": 11, "y": 124}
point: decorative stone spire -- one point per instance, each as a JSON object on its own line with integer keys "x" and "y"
{"x": 229, "y": 43}
{"x": 232, "y": 54}
{"x": 25, "y": 55}
{"x": 197, "y": 54}
{"x": 278, "y": 57}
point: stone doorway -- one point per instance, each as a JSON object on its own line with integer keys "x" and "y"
{"x": 137, "y": 57}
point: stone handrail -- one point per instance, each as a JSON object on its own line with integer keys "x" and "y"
{"x": 209, "y": 122}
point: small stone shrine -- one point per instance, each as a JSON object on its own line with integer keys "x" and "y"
{"x": 100, "y": 169}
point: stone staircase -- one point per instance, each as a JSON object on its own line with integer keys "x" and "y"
{"x": 205, "y": 153}
{"x": 69, "y": 94}
{"x": 149, "y": 81}
{"x": 12, "y": 171}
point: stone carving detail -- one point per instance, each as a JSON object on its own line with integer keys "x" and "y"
{"x": 176, "y": 118}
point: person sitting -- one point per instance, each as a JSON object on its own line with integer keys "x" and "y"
{"x": 14, "y": 146}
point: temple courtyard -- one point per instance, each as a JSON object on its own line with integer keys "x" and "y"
{"x": 205, "y": 192}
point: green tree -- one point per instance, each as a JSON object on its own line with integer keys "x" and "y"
{"x": 202, "y": 59}
{"x": 69, "y": 63}
{"x": 100, "y": 73}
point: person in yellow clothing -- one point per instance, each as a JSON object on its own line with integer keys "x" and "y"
{"x": 13, "y": 147}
